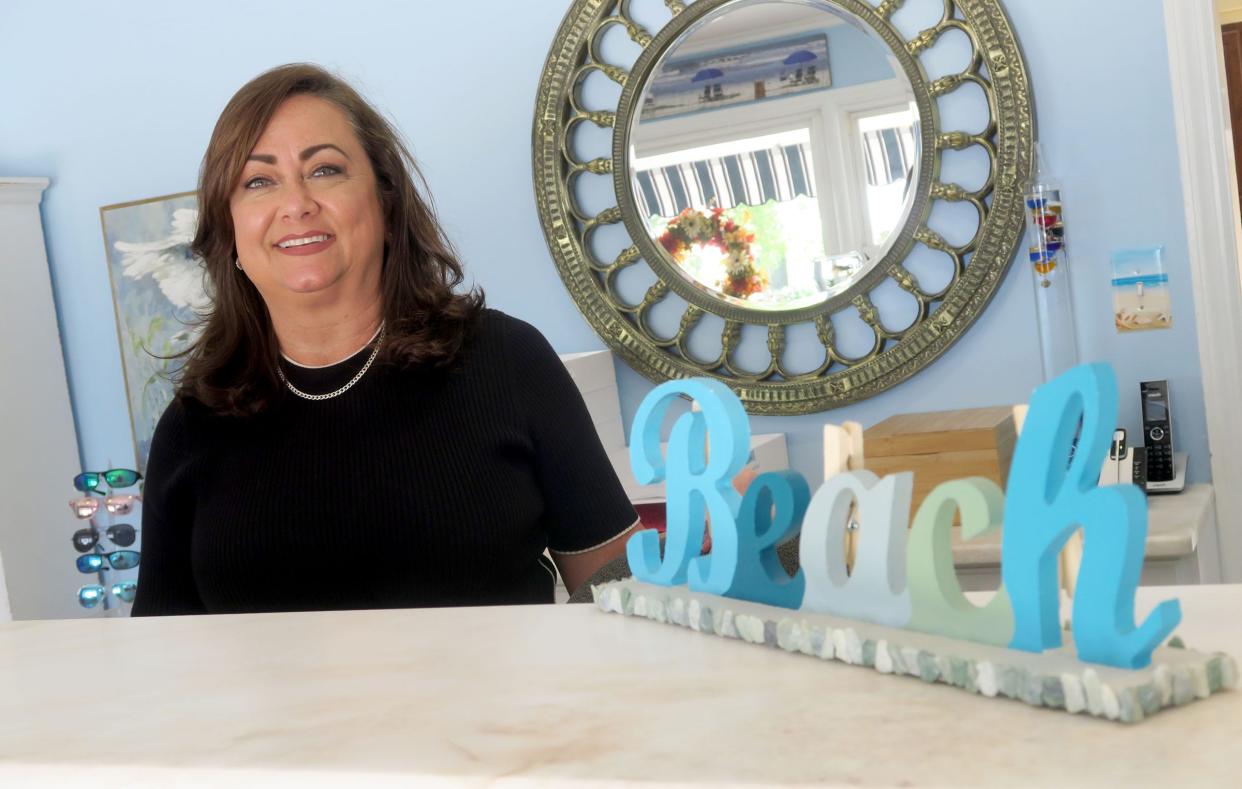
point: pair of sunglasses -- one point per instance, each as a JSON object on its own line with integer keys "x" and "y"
{"x": 117, "y": 560}
{"x": 89, "y": 481}
{"x": 121, "y": 534}
{"x": 115, "y": 505}
{"x": 89, "y": 596}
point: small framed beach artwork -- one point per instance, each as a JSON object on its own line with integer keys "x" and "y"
{"x": 159, "y": 290}
{"x": 725, "y": 77}
{"x": 1141, "y": 290}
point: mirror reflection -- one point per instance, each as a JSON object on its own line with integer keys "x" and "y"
{"x": 773, "y": 153}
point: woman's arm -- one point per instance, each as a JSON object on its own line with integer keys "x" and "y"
{"x": 165, "y": 574}
{"x": 586, "y": 512}
{"x": 575, "y": 568}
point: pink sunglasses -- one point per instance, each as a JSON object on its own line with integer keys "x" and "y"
{"x": 115, "y": 505}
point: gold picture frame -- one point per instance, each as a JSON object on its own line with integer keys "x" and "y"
{"x": 158, "y": 293}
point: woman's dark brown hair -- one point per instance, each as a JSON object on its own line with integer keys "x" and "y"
{"x": 231, "y": 368}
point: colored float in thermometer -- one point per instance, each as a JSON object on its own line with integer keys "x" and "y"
{"x": 1045, "y": 220}
{"x": 1047, "y": 223}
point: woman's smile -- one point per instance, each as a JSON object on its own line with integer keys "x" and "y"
{"x": 310, "y": 243}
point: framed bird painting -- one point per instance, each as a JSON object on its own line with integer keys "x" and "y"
{"x": 159, "y": 291}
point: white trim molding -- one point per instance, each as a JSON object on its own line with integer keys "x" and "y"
{"x": 22, "y": 190}
{"x": 1210, "y": 194}
{"x": 40, "y": 444}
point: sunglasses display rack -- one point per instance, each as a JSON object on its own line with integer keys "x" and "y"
{"x": 108, "y": 593}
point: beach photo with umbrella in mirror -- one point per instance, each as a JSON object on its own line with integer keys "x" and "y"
{"x": 722, "y": 77}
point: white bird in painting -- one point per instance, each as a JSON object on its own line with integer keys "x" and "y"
{"x": 178, "y": 273}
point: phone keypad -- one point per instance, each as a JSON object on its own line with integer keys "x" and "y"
{"x": 1159, "y": 462}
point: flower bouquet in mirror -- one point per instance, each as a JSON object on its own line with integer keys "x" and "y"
{"x": 716, "y": 250}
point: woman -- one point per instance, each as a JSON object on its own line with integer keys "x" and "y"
{"x": 348, "y": 432}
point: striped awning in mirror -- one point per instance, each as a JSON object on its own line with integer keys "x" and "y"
{"x": 779, "y": 173}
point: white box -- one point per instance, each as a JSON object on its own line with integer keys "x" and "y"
{"x": 596, "y": 379}
{"x": 770, "y": 450}
{"x": 591, "y": 370}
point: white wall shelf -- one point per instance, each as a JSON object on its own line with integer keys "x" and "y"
{"x": 37, "y": 436}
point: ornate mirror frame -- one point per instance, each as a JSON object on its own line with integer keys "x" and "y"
{"x": 979, "y": 266}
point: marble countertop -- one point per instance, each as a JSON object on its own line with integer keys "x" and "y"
{"x": 562, "y": 695}
{"x": 1174, "y": 523}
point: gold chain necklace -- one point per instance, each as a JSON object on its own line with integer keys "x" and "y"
{"x": 379, "y": 341}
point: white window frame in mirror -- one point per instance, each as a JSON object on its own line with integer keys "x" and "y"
{"x": 841, "y": 216}
{"x": 840, "y": 111}
{"x": 859, "y": 158}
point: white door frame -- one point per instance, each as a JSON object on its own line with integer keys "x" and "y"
{"x": 1210, "y": 192}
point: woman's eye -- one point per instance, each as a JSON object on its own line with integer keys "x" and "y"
{"x": 326, "y": 169}
{"x": 256, "y": 182}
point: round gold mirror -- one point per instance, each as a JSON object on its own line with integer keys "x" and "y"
{"x": 807, "y": 199}
{"x": 767, "y": 204}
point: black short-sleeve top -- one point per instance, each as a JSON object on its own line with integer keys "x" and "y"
{"x": 415, "y": 487}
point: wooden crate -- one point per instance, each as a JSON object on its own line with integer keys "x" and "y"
{"x": 943, "y": 446}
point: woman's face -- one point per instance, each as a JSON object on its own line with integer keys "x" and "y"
{"x": 306, "y": 211}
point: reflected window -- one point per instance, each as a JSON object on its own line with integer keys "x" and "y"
{"x": 890, "y": 154}
{"x": 742, "y": 218}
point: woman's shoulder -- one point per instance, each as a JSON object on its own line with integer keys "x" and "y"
{"x": 512, "y": 336}
{"x": 172, "y": 442}
{"x": 493, "y": 320}
{"x": 512, "y": 350}
{"x": 187, "y": 422}
{"x": 176, "y": 417}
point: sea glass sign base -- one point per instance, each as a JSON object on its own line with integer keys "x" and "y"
{"x": 1054, "y": 678}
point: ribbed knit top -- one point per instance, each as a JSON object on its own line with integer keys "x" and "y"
{"x": 413, "y": 488}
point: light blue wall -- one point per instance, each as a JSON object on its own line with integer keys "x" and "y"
{"x": 116, "y": 102}
{"x": 855, "y": 58}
